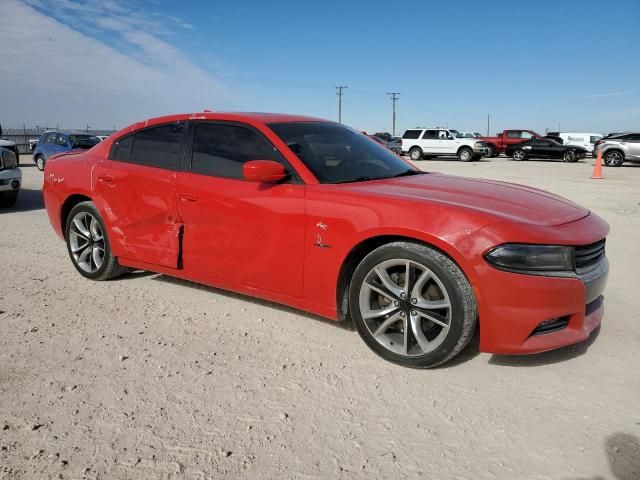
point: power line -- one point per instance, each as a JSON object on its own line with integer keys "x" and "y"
{"x": 340, "y": 93}
{"x": 394, "y": 99}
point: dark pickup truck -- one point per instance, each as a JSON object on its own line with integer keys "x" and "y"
{"x": 499, "y": 143}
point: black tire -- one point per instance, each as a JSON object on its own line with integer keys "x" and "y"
{"x": 415, "y": 154}
{"x": 519, "y": 154}
{"x": 465, "y": 154}
{"x": 493, "y": 151}
{"x": 39, "y": 161}
{"x": 110, "y": 268}
{"x": 464, "y": 308}
{"x": 569, "y": 156}
{"x": 613, "y": 158}
{"x": 8, "y": 199}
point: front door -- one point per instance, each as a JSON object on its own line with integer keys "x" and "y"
{"x": 248, "y": 233}
{"x": 135, "y": 189}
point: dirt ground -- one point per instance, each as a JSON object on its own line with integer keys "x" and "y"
{"x": 148, "y": 377}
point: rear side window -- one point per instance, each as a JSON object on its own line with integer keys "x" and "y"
{"x": 430, "y": 134}
{"x": 634, "y": 137}
{"x": 220, "y": 150}
{"x": 158, "y": 147}
{"x": 121, "y": 149}
{"x": 514, "y": 134}
{"x": 411, "y": 134}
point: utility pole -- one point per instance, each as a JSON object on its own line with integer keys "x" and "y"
{"x": 394, "y": 99}
{"x": 488, "y": 123}
{"x": 340, "y": 93}
{"x": 559, "y": 125}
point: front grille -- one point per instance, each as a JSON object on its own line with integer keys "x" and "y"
{"x": 550, "y": 326}
{"x": 589, "y": 255}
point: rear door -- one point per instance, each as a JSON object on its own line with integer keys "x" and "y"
{"x": 135, "y": 189}
{"x": 429, "y": 141}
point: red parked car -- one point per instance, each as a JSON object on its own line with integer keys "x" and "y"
{"x": 313, "y": 214}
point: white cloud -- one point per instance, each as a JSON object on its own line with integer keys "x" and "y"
{"x": 52, "y": 74}
{"x": 610, "y": 94}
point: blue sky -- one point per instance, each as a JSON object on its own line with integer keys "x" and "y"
{"x": 530, "y": 65}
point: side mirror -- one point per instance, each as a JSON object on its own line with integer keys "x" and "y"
{"x": 264, "y": 171}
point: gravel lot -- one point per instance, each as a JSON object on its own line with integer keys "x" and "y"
{"x": 156, "y": 378}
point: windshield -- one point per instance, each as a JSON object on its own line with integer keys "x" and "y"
{"x": 338, "y": 154}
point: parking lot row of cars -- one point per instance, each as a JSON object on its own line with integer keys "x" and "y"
{"x": 425, "y": 143}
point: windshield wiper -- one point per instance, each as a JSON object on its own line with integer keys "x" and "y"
{"x": 358, "y": 179}
{"x": 408, "y": 173}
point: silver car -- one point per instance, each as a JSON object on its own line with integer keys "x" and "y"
{"x": 620, "y": 148}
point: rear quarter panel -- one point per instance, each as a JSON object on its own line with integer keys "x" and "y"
{"x": 64, "y": 176}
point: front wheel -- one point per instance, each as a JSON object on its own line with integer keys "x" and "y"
{"x": 88, "y": 244}
{"x": 465, "y": 155}
{"x": 415, "y": 154}
{"x": 493, "y": 151}
{"x": 412, "y": 305}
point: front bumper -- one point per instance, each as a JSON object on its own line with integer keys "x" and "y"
{"x": 481, "y": 151}
{"x": 519, "y": 313}
{"x": 10, "y": 180}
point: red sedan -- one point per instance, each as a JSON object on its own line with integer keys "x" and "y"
{"x": 315, "y": 215}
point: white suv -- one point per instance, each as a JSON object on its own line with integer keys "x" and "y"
{"x": 422, "y": 143}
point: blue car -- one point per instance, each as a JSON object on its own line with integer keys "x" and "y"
{"x": 52, "y": 143}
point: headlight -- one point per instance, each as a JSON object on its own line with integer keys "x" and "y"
{"x": 479, "y": 144}
{"x": 525, "y": 258}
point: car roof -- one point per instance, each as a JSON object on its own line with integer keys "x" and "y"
{"x": 262, "y": 117}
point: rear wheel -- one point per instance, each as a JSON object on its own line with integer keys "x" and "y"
{"x": 569, "y": 156}
{"x": 415, "y": 154}
{"x": 412, "y": 305}
{"x": 465, "y": 155}
{"x": 519, "y": 155}
{"x": 88, "y": 244}
{"x": 613, "y": 159}
{"x": 40, "y": 162}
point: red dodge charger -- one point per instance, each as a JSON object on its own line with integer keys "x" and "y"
{"x": 313, "y": 214}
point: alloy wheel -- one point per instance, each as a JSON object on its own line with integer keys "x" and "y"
{"x": 613, "y": 159}
{"x": 405, "y": 307}
{"x": 518, "y": 155}
{"x": 40, "y": 163}
{"x": 86, "y": 241}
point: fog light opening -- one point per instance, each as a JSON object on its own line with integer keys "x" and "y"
{"x": 15, "y": 184}
{"x": 551, "y": 325}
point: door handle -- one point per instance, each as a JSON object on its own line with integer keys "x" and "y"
{"x": 189, "y": 197}
{"x": 105, "y": 179}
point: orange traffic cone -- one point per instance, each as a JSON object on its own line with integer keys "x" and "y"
{"x": 597, "y": 168}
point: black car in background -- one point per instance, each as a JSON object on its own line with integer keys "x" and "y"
{"x": 545, "y": 148}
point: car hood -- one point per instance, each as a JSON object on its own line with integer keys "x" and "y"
{"x": 504, "y": 201}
